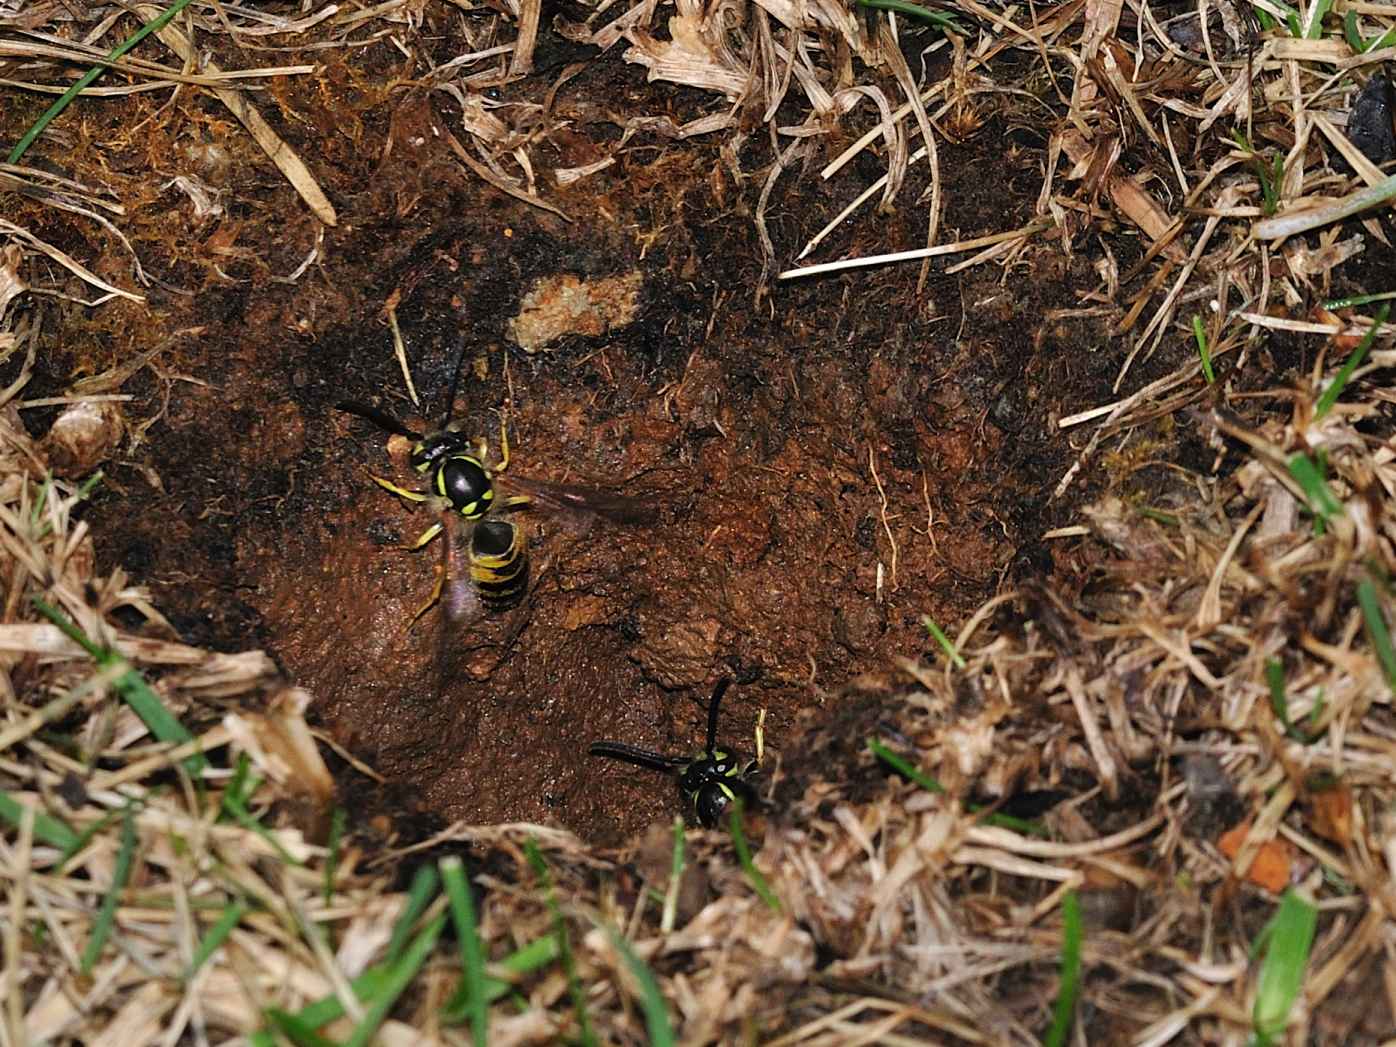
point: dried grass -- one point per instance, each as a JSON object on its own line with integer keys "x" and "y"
{"x": 905, "y": 918}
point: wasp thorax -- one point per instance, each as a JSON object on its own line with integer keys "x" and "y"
{"x": 462, "y": 480}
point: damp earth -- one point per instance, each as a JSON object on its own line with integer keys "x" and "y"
{"x": 830, "y": 461}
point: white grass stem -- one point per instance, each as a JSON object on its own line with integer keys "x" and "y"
{"x": 921, "y": 252}
{"x": 1294, "y": 223}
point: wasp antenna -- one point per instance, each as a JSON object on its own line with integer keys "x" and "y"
{"x": 378, "y": 417}
{"x": 455, "y": 380}
{"x": 634, "y": 754}
{"x": 713, "y": 702}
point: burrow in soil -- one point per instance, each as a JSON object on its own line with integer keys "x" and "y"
{"x": 829, "y": 460}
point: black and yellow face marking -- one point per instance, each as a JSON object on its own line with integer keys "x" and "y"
{"x": 709, "y": 782}
{"x": 428, "y": 450}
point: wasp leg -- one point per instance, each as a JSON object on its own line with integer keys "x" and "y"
{"x": 504, "y": 446}
{"x": 431, "y": 600}
{"x": 424, "y": 539}
{"x": 401, "y": 492}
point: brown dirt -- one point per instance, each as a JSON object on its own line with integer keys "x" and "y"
{"x": 751, "y": 413}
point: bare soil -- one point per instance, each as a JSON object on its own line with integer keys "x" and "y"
{"x": 759, "y": 418}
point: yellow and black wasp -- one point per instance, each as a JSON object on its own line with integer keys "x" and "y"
{"x": 465, "y": 487}
{"x": 709, "y": 781}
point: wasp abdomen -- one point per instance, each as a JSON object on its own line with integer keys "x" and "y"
{"x": 498, "y": 564}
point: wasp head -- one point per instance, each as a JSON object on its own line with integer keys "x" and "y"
{"x": 431, "y": 449}
{"x": 713, "y": 781}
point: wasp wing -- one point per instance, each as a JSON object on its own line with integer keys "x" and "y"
{"x": 459, "y": 597}
{"x": 464, "y": 607}
{"x": 582, "y": 502}
{"x": 460, "y": 603}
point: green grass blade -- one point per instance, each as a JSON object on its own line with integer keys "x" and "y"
{"x": 903, "y": 767}
{"x": 1377, "y": 631}
{"x": 247, "y": 820}
{"x": 1320, "y": 11}
{"x": 1387, "y": 39}
{"x": 564, "y": 945}
{"x": 951, "y": 651}
{"x": 1270, "y": 177}
{"x": 1316, "y": 713}
{"x": 1323, "y": 503}
{"x": 399, "y": 978}
{"x": 1286, "y": 941}
{"x": 67, "y": 97}
{"x": 651, "y": 999}
{"x": 1023, "y": 826}
{"x": 121, "y": 873}
{"x": 241, "y": 784}
{"x": 1158, "y": 516}
{"x": 1283, "y": 8}
{"x": 532, "y": 957}
{"x": 217, "y": 935}
{"x": 96, "y": 828}
{"x": 939, "y": 19}
{"x": 131, "y": 685}
{"x": 420, "y": 894}
{"x": 48, "y": 829}
{"x": 329, "y": 1008}
{"x": 37, "y": 512}
{"x": 1354, "y": 360}
{"x": 1065, "y": 1007}
{"x": 338, "y": 820}
{"x": 1279, "y": 701}
{"x": 295, "y": 1029}
{"x": 472, "y": 950}
{"x": 671, "y": 896}
{"x": 1357, "y": 301}
{"x": 753, "y": 874}
{"x": 1353, "y": 37}
{"x": 1202, "y": 350}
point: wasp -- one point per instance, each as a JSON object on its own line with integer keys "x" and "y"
{"x": 709, "y": 781}
{"x": 460, "y": 483}
{"x": 467, "y": 488}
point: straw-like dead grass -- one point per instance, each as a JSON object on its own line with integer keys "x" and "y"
{"x": 904, "y": 916}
